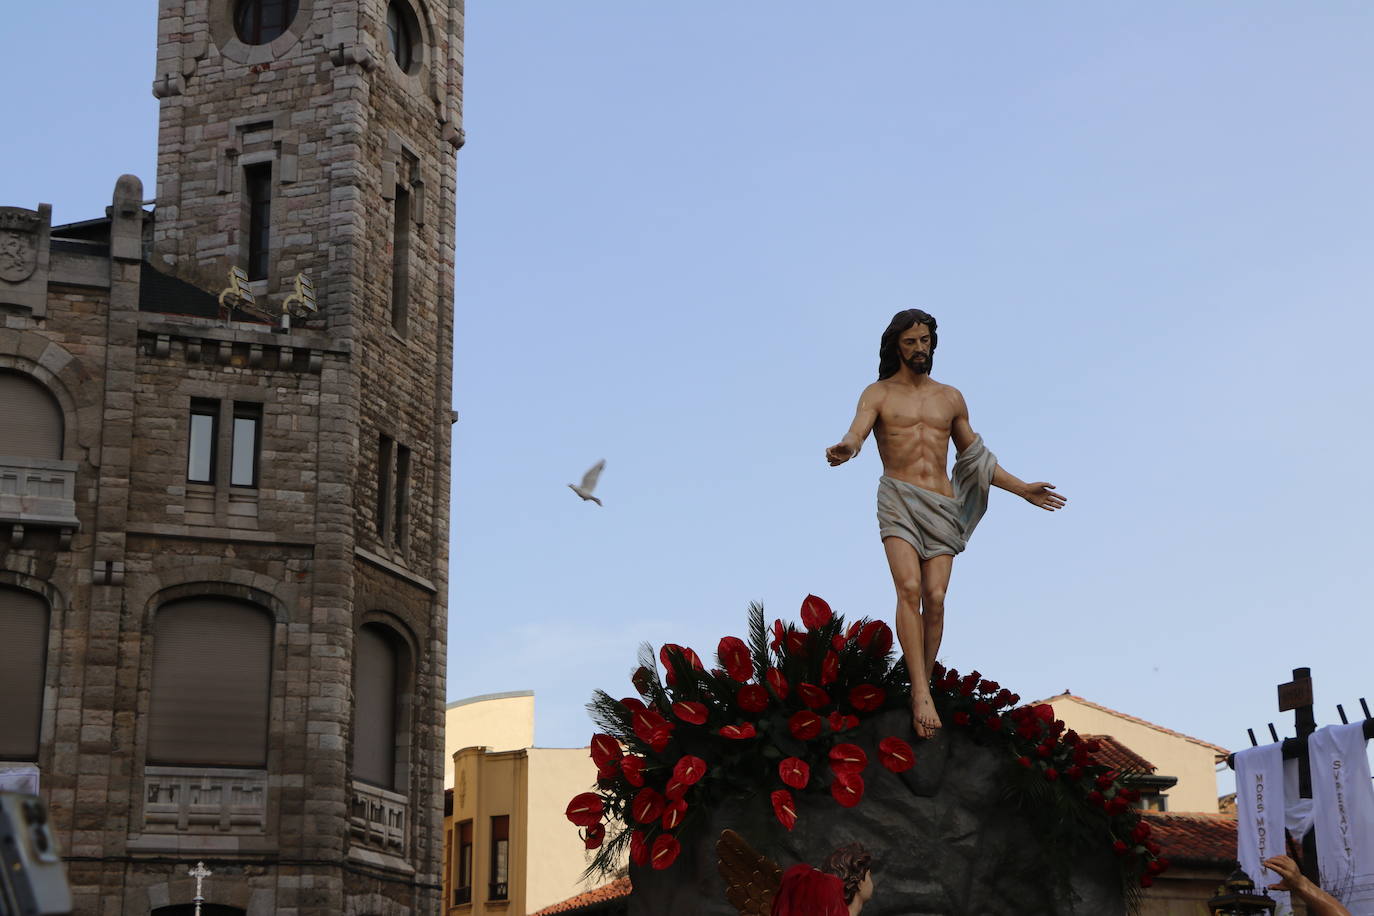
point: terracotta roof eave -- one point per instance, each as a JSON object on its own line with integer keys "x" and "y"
{"x": 1217, "y": 749}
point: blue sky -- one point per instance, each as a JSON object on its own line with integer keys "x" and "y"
{"x": 1145, "y": 230}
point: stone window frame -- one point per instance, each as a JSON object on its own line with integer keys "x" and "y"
{"x": 198, "y": 586}
{"x": 402, "y": 170}
{"x": 407, "y": 691}
{"x": 247, "y": 147}
{"x": 225, "y": 35}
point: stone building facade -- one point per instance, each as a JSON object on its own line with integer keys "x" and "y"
{"x": 224, "y": 531}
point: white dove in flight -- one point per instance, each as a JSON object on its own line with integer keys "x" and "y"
{"x": 588, "y": 484}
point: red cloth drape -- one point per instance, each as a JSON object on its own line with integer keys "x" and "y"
{"x": 808, "y": 892}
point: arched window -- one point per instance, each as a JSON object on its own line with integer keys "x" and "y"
{"x": 212, "y": 670}
{"x": 402, "y": 31}
{"x": 23, "y": 661}
{"x": 30, "y": 417}
{"x": 260, "y": 21}
{"x": 376, "y": 696}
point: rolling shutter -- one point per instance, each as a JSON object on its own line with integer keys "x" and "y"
{"x": 23, "y": 660}
{"x": 212, "y": 669}
{"x": 30, "y": 419}
{"x": 374, "y": 716}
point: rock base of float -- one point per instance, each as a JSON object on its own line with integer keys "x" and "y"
{"x": 943, "y": 838}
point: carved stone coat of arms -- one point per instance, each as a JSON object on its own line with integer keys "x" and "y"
{"x": 19, "y": 230}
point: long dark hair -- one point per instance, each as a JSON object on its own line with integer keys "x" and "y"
{"x": 850, "y": 863}
{"x": 889, "y": 357}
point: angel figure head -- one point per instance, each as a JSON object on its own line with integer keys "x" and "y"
{"x": 841, "y": 886}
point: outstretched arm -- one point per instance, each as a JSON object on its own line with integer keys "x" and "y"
{"x": 1038, "y": 493}
{"x": 865, "y": 415}
{"x": 1319, "y": 902}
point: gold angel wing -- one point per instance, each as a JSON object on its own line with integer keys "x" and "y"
{"x": 751, "y": 879}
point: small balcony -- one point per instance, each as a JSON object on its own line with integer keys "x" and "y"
{"x": 38, "y": 493}
{"x": 377, "y": 819}
{"x": 205, "y": 801}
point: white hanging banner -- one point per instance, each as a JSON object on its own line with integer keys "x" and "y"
{"x": 1260, "y": 816}
{"x": 1343, "y": 810}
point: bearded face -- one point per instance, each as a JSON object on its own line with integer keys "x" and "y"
{"x": 914, "y": 346}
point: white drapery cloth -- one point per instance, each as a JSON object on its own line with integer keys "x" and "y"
{"x": 1343, "y": 811}
{"x": 1260, "y": 816}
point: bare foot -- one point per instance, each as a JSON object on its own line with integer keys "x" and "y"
{"x": 924, "y": 718}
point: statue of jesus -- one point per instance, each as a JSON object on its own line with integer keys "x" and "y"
{"x": 923, "y": 518}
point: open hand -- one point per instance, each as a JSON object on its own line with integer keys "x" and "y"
{"x": 1287, "y": 869}
{"x": 839, "y": 454}
{"x": 1042, "y": 494}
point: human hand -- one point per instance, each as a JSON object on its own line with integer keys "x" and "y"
{"x": 1293, "y": 879}
{"x": 1042, "y": 494}
{"x": 839, "y": 454}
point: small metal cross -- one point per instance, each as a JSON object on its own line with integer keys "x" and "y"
{"x": 200, "y": 873}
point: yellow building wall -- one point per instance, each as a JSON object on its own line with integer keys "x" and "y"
{"x": 497, "y": 721}
{"x": 1173, "y": 755}
{"x": 556, "y": 855}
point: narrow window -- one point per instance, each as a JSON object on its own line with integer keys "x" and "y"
{"x": 23, "y": 661}
{"x": 257, "y": 183}
{"x": 400, "y": 260}
{"x": 500, "y": 858}
{"x": 383, "y": 487}
{"x": 247, "y": 441}
{"x": 400, "y": 534}
{"x": 374, "y": 716}
{"x": 200, "y": 460}
{"x": 462, "y": 892}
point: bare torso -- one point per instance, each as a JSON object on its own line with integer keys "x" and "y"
{"x": 913, "y": 428}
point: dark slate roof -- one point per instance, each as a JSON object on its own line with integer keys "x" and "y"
{"x": 89, "y": 230}
{"x": 159, "y": 292}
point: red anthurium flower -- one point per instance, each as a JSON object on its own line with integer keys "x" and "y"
{"x": 1163, "y": 863}
{"x": 689, "y": 770}
{"x": 847, "y": 758}
{"x": 815, "y": 613}
{"x": 647, "y": 806}
{"x": 690, "y": 711}
{"x": 675, "y": 789}
{"x": 1024, "y": 760}
{"x": 673, "y": 814}
{"x": 830, "y": 668}
{"x": 1105, "y": 780}
{"x": 987, "y": 686}
{"x": 752, "y": 698}
{"x": 605, "y": 749}
{"x": 734, "y": 655}
{"x": 642, "y": 679}
{"x": 633, "y": 704}
{"x": 896, "y": 755}
{"x": 784, "y": 808}
{"x": 1094, "y": 797}
{"x": 1044, "y": 712}
{"x": 665, "y": 851}
{"x": 1051, "y": 774}
{"x": 982, "y": 708}
{"x": 595, "y": 835}
{"x": 585, "y": 809}
{"x": 867, "y": 697}
{"x": 795, "y": 772}
{"x": 639, "y": 848}
{"x": 778, "y": 635}
{"x": 777, "y": 682}
{"x": 854, "y": 629}
{"x": 849, "y": 722}
{"x": 813, "y": 696}
{"x": 608, "y": 770}
{"x": 804, "y": 725}
{"x": 665, "y": 655}
{"x": 1119, "y": 847}
{"x": 1141, "y": 831}
{"x": 652, "y": 728}
{"x": 847, "y": 788}
{"x": 1153, "y": 847}
{"x": 633, "y": 768}
{"x": 837, "y": 642}
{"x": 743, "y": 730}
{"x": 876, "y": 637}
{"x": 836, "y": 720}
{"x": 795, "y": 642}
{"x": 994, "y": 723}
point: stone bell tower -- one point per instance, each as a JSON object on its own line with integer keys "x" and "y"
{"x": 314, "y": 141}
